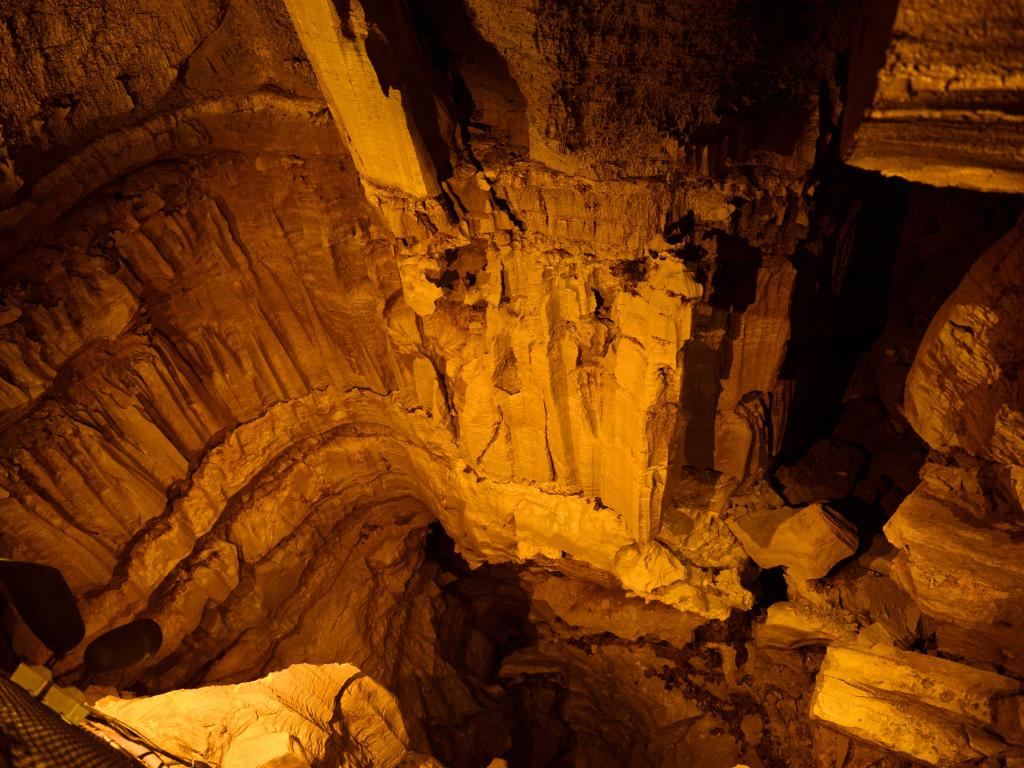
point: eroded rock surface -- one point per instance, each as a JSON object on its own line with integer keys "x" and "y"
{"x": 539, "y": 359}
{"x": 304, "y": 715}
{"x": 935, "y": 710}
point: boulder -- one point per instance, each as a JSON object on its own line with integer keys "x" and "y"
{"x": 299, "y": 717}
{"x": 965, "y": 389}
{"x": 927, "y": 708}
{"x": 961, "y": 552}
{"x": 808, "y": 542}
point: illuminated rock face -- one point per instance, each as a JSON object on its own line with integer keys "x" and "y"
{"x": 301, "y": 716}
{"x": 293, "y": 292}
{"x": 931, "y": 709}
{"x": 928, "y": 108}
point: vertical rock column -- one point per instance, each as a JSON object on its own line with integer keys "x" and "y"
{"x": 353, "y": 64}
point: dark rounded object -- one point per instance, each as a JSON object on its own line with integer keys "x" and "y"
{"x": 44, "y": 602}
{"x": 123, "y": 646}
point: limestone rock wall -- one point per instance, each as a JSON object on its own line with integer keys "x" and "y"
{"x": 933, "y": 93}
{"x": 200, "y": 297}
{"x": 288, "y": 285}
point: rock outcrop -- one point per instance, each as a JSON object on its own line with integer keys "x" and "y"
{"x": 929, "y": 106}
{"x": 931, "y": 709}
{"x": 299, "y": 717}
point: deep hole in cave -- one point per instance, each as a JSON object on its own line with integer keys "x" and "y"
{"x": 484, "y": 618}
{"x": 888, "y": 240}
{"x": 536, "y": 719}
{"x": 579, "y": 708}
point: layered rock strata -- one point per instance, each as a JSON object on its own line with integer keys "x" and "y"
{"x": 932, "y": 709}
{"x": 301, "y": 716}
{"x": 290, "y": 288}
{"x": 935, "y": 93}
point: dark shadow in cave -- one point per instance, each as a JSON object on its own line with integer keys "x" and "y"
{"x": 838, "y": 306}
{"x": 734, "y": 283}
{"x": 483, "y": 91}
{"x": 484, "y": 617}
{"x": 767, "y": 585}
{"x": 892, "y": 253}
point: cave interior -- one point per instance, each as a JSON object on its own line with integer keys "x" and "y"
{"x": 481, "y": 384}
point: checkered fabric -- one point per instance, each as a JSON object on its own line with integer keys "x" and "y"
{"x": 33, "y": 736}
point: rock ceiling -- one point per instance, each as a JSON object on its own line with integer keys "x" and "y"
{"x": 555, "y": 364}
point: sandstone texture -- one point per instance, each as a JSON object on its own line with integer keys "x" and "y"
{"x": 934, "y": 92}
{"x": 935, "y": 710}
{"x": 301, "y": 716}
{"x": 524, "y": 382}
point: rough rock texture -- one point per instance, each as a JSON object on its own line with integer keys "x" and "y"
{"x": 807, "y": 541}
{"x": 959, "y": 532}
{"x": 964, "y": 390}
{"x": 960, "y": 553}
{"x": 935, "y": 93}
{"x": 301, "y": 716}
{"x": 506, "y": 352}
{"x": 932, "y": 709}
{"x": 322, "y": 334}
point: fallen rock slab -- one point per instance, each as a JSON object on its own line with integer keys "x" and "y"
{"x": 961, "y": 553}
{"x": 302, "y": 716}
{"x": 790, "y": 625}
{"x": 931, "y": 709}
{"x": 808, "y": 542}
